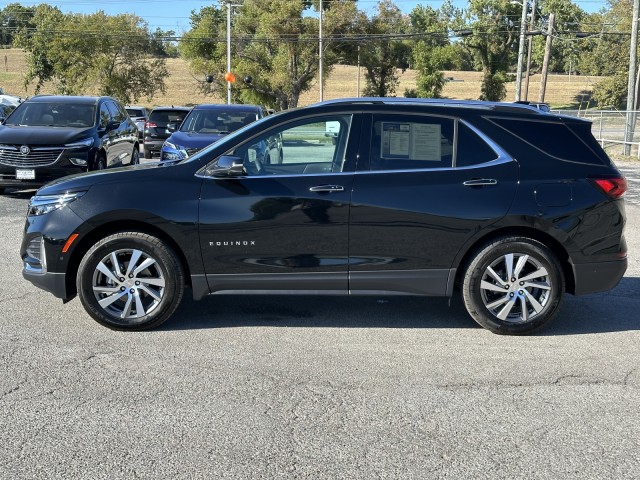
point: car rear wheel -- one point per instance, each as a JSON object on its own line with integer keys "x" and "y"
{"x": 513, "y": 286}
{"x": 135, "y": 156}
{"x": 147, "y": 153}
{"x": 130, "y": 281}
{"x": 101, "y": 163}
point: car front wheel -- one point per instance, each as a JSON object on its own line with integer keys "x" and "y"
{"x": 513, "y": 286}
{"x": 130, "y": 281}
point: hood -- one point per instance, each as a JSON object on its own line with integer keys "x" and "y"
{"x": 18, "y": 135}
{"x": 197, "y": 140}
{"x": 82, "y": 181}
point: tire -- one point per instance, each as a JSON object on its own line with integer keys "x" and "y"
{"x": 101, "y": 163}
{"x": 521, "y": 304}
{"x": 2, "y": 190}
{"x": 124, "y": 296}
{"x": 147, "y": 153}
{"x": 135, "y": 155}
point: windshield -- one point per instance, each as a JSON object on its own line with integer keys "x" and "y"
{"x": 216, "y": 121}
{"x": 53, "y": 114}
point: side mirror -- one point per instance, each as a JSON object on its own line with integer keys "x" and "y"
{"x": 227, "y": 166}
{"x": 112, "y": 125}
{"x": 172, "y": 127}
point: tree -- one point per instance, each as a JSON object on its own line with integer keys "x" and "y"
{"x": 382, "y": 54}
{"x": 278, "y": 47}
{"x": 569, "y": 19}
{"x": 95, "y": 53}
{"x": 14, "y": 18}
{"x": 204, "y": 47}
{"x": 491, "y": 36}
{"x": 611, "y": 92}
{"x": 606, "y": 52}
{"x": 429, "y": 53}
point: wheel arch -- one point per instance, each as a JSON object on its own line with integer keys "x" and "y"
{"x": 520, "y": 231}
{"x": 104, "y": 230}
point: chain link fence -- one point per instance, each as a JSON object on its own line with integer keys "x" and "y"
{"x": 608, "y": 127}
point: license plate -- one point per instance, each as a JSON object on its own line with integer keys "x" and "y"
{"x": 25, "y": 174}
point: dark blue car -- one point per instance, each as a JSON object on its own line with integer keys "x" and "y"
{"x": 206, "y": 124}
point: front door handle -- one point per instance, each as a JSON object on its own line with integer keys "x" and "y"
{"x": 480, "y": 182}
{"x": 327, "y": 188}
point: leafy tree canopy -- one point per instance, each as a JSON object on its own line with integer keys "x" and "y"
{"x": 97, "y": 53}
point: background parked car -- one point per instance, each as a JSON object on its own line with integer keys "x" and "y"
{"x": 156, "y": 130}
{"x": 48, "y": 137}
{"x": 8, "y": 104}
{"x": 139, "y": 116}
{"x": 208, "y": 123}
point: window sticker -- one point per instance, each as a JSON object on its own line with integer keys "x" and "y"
{"x": 411, "y": 141}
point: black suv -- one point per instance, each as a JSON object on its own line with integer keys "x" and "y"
{"x": 509, "y": 205}
{"x": 162, "y": 122}
{"x": 48, "y": 137}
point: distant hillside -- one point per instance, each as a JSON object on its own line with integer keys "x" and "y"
{"x": 562, "y": 90}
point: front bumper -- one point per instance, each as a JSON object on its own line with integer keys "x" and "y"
{"x": 51, "y": 282}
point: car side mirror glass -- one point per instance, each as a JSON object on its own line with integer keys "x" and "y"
{"x": 172, "y": 127}
{"x": 227, "y": 166}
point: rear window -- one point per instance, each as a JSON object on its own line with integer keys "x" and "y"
{"x": 135, "y": 112}
{"x": 168, "y": 116}
{"x": 575, "y": 144}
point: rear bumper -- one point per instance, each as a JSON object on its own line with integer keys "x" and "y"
{"x": 598, "y": 277}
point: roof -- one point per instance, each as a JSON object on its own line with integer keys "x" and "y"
{"x": 436, "y": 102}
{"x": 79, "y": 99}
{"x": 233, "y": 107}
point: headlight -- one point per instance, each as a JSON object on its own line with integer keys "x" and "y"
{"x": 42, "y": 204}
{"x": 173, "y": 152}
{"x": 87, "y": 142}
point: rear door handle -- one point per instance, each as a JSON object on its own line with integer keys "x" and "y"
{"x": 327, "y": 188}
{"x": 480, "y": 182}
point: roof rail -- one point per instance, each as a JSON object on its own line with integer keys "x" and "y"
{"x": 480, "y": 104}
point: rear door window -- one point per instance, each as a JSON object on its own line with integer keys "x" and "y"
{"x": 554, "y": 139}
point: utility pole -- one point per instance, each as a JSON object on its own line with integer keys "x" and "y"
{"x": 321, "y": 72}
{"x": 529, "y": 47}
{"x": 358, "y": 87}
{"x": 228, "y": 50}
{"x": 633, "y": 61}
{"x": 523, "y": 21}
{"x": 547, "y": 55}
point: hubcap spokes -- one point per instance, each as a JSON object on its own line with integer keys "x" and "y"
{"x": 128, "y": 284}
{"x": 515, "y": 288}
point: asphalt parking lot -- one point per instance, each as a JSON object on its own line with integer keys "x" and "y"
{"x": 317, "y": 387}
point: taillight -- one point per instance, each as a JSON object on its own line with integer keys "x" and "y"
{"x": 613, "y": 187}
{"x": 150, "y": 125}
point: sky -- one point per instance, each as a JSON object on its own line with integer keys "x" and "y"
{"x": 174, "y": 14}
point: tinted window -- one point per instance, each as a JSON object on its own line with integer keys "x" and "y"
{"x": 216, "y": 121}
{"x": 167, "y": 116}
{"x": 472, "y": 150}
{"x": 554, "y": 139}
{"x": 305, "y": 147}
{"x": 116, "y": 112}
{"x": 105, "y": 116}
{"x": 411, "y": 142}
{"x": 135, "y": 112}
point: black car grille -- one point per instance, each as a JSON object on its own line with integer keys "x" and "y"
{"x": 192, "y": 151}
{"x": 36, "y": 157}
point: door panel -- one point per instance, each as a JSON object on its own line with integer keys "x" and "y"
{"x": 282, "y": 226}
{"x": 418, "y": 219}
